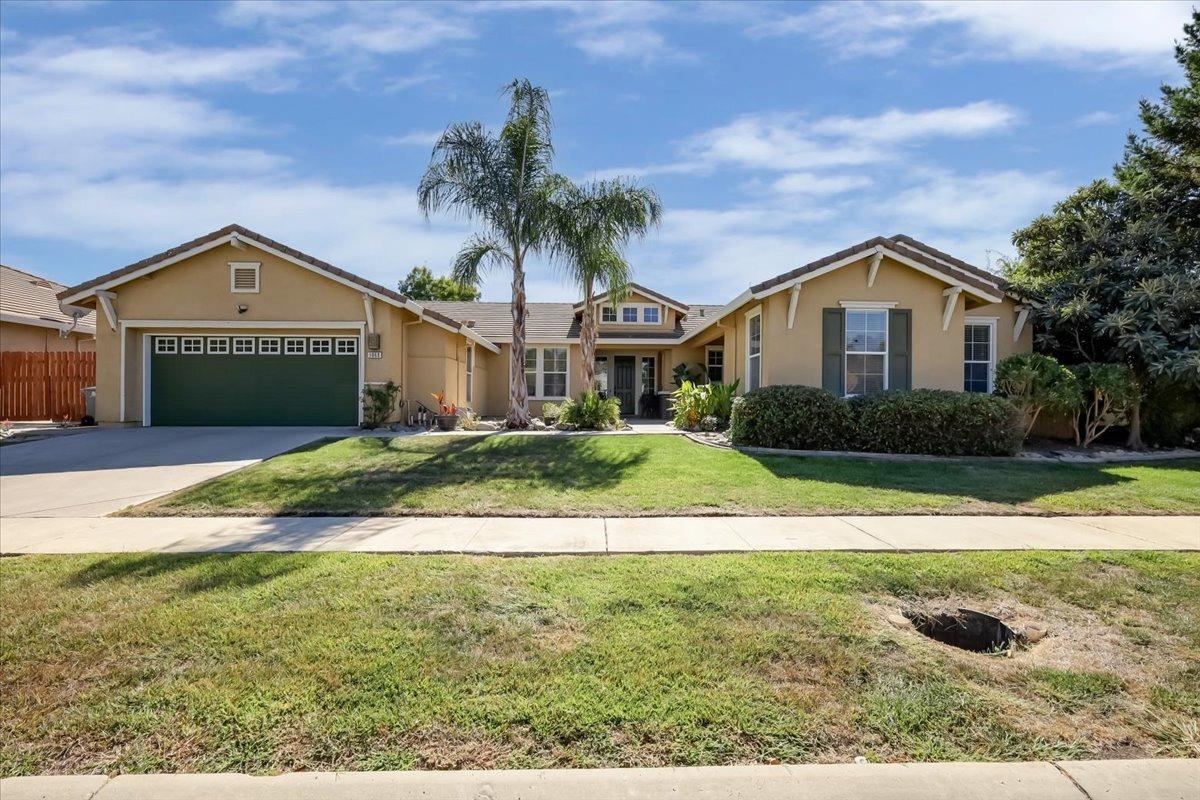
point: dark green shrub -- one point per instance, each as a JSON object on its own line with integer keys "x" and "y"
{"x": 1171, "y": 414}
{"x": 791, "y": 417}
{"x": 935, "y": 422}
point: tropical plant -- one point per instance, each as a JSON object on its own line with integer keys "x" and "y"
{"x": 503, "y": 182}
{"x": 551, "y": 412}
{"x": 1109, "y": 392}
{"x": 378, "y": 403}
{"x": 421, "y": 284}
{"x": 1037, "y": 383}
{"x": 591, "y": 412}
{"x": 1114, "y": 271}
{"x": 693, "y": 403}
{"x": 444, "y": 409}
{"x": 687, "y": 372}
{"x": 592, "y": 223}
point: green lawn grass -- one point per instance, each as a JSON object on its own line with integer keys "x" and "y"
{"x": 661, "y": 475}
{"x": 272, "y": 662}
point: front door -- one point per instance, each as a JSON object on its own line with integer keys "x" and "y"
{"x": 623, "y": 376}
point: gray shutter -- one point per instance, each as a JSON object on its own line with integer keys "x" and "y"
{"x": 833, "y": 343}
{"x": 900, "y": 349}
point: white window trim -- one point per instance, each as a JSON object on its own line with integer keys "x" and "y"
{"x": 657, "y": 310}
{"x": 234, "y": 266}
{"x": 470, "y": 369}
{"x": 212, "y": 340}
{"x": 713, "y": 348}
{"x": 160, "y": 341}
{"x": 867, "y": 305}
{"x": 616, "y": 316}
{"x": 639, "y": 312}
{"x": 326, "y": 340}
{"x": 345, "y": 340}
{"x": 303, "y": 343}
{"x": 992, "y": 323}
{"x": 193, "y": 340}
{"x": 539, "y": 381}
{"x": 755, "y": 312}
{"x": 265, "y": 339}
{"x": 242, "y": 340}
{"x": 887, "y": 343}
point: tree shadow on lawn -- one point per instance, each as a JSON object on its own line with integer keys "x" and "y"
{"x": 211, "y": 572}
{"x": 381, "y": 477}
{"x": 993, "y": 482}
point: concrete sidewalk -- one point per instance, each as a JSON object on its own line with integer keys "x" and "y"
{"x": 1064, "y": 780}
{"x": 535, "y": 536}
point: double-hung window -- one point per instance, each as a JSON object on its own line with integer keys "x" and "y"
{"x": 978, "y": 366}
{"x": 629, "y": 314}
{"x": 866, "y": 350}
{"x": 650, "y": 315}
{"x": 754, "y": 349}
{"x": 608, "y": 314}
{"x": 546, "y": 371}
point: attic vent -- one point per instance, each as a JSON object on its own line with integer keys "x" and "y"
{"x": 243, "y": 277}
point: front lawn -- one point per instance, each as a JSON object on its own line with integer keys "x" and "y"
{"x": 270, "y": 662}
{"x": 660, "y": 475}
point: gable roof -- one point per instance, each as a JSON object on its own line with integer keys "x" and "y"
{"x": 28, "y": 299}
{"x": 637, "y": 288}
{"x": 907, "y": 250}
{"x": 551, "y": 322}
{"x": 238, "y": 234}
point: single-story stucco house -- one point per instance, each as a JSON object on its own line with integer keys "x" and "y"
{"x": 235, "y": 328}
{"x": 32, "y": 322}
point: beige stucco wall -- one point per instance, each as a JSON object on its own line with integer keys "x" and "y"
{"x": 34, "y": 338}
{"x": 420, "y": 357}
{"x": 794, "y": 356}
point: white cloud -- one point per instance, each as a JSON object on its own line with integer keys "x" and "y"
{"x": 1086, "y": 35}
{"x": 985, "y": 201}
{"x": 353, "y": 30}
{"x": 895, "y": 125}
{"x": 810, "y": 183}
{"x": 414, "y": 139}
{"x": 1095, "y": 118}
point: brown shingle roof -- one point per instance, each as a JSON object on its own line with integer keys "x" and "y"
{"x": 23, "y": 294}
{"x": 642, "y": 290}
{"x": 551, "y": 321}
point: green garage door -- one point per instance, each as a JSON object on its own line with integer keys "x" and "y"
{"x": 253, "y": 380}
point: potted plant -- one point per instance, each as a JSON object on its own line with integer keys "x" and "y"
{"x": 447, "y": 416}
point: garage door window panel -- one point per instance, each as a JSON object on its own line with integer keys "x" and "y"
{"x": 166, "y": 345}
{"x": 191, "y": 345}
{"x": 243, "y": 345}
{"x": 268, "y": 346}
{"x": 347, "y": 347}
{"x": 294, "y": 346}
{"x": 320, "y": 347}
{"x": 218, "y": 346}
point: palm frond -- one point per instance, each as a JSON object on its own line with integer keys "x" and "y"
{"x": 479, "y": 254}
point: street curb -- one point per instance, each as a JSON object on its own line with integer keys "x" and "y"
{"x": 1151, "y": 779}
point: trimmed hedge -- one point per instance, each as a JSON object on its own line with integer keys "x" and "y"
{"x": 794, "y": 417}
{"x": 936, "y": 422}
{"x": 922, "y": 421}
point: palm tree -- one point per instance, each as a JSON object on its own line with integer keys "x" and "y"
{"x": 593, "y": 223}
{"x": 505, "y": 183}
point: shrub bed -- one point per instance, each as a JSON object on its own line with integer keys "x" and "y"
{"x": 794, "y": 417}
{"x": 936, "y": 422}
{"x": 922, "y": 421}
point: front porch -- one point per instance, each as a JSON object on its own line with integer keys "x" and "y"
{"x": 633, "y": 376}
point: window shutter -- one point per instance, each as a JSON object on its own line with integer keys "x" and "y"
{"x": 900, "y": 349}
{"x": 833, "y": 335}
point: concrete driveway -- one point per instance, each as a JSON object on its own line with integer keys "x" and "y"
{"x": 103, "y": 470}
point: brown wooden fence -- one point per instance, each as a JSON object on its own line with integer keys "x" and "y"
{"x": 44, "y": 385}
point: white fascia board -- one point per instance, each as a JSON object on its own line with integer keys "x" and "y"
{"x": 726, "y": 310}
{"x": 146, "y": 270}
{"x": 230, "y": 323}
{"x": 39, "y": 322}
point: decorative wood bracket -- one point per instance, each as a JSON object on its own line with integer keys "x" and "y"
{"x": 110, "y": 311}
{"x": 237, "y": 243}
{"x": 1022, "y": 318}
{"x": 792, "y": 303}
{"x": 874, "y": 269}
{"x": 951, "y": 296}
{"x": 370, "y": 312}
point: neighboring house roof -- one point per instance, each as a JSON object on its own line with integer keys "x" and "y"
{"x": 642, "y": 290}
{"x": 548, "y": 322}
{"x": 237, "y": 233}
{"x": 28, "y": 299}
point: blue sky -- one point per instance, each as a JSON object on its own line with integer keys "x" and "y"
{"x": 775, "y": 133}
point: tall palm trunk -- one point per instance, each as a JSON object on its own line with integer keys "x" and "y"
{"x": 518, "y": 415}
{"x": 587, "y": 336}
